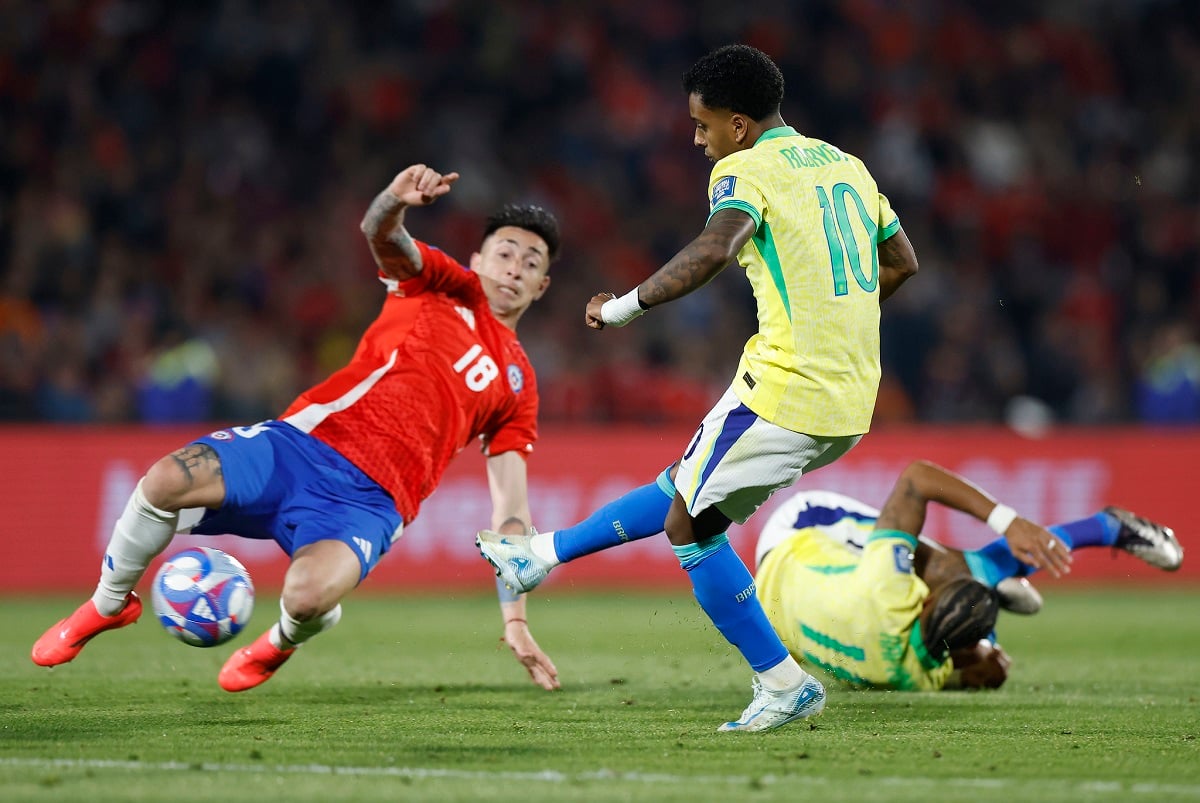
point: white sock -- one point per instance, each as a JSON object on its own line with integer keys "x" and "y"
{"x": 290, "y": 632}
{"x": 542, "y": 545}
{"x": 785, "y": 675}
{"x": 141, "y": 532}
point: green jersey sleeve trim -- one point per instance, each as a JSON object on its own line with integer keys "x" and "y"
{"x": 734, "y": 203}
{"x": 879, "y": 535}
{"x": 888, "y": 230}
{"x": 917, "y": 642}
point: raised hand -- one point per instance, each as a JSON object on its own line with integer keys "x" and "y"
{"x": 420, "y": 185}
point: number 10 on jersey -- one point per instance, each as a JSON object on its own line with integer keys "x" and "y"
{"x": 843, "y": 245}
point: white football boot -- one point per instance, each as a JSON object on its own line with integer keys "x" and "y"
{"x": 772, "y": 709}
{"x": 1147, "y": 540}
{"x": 513, "y": 559}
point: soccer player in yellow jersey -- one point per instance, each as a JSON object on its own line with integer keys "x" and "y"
{"x": 860, "y": 594}
{"x": 821, "y": 247}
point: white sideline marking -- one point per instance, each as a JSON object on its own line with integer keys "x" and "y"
{"x": 554, "y": 776}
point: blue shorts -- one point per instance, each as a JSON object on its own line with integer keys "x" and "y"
{"x": 284, "y": 484}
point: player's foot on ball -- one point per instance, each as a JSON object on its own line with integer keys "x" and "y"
{"x": 62, "y": 643}
{"x": 1147, "y": 540}
{"x": 253, "y": 665}
{"x": 513, "y": 559}
{"x": 772, "y": 709}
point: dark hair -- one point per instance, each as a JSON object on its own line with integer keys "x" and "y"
{"x": 740, "y": 78}
{"x": 529, "y": 217}
{"x": 964, "y": 613}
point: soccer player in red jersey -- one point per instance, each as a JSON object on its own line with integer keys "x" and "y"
{"x": 338, "y": 475}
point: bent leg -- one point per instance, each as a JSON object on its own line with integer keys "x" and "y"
{"x": 189, "y": 477}
{"x": 321, "y": 573}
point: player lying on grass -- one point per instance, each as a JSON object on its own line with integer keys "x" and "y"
{"x": 337, "y": 477}
{"x": 856, "y": 591}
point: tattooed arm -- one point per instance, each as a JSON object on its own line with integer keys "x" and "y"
{"x": 692, "y": 268}
{"x": 394, "y": 251}
{"x": 897, "y": 262}
{"x": 923, "y": 482}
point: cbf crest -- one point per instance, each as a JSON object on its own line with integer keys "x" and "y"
{"x": 516, "y": 378}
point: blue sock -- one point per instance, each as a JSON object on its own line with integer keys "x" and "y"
{"x": 725, "y": 590}
{"x": 994, "y": 562}
{"x": 638, "y": 514}
{"x": 1098, "y": 530}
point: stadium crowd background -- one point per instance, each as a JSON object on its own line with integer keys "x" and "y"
{"x": 181, "y": 186}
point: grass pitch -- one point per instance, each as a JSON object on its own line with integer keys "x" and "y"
{"x": 414, "y": 698}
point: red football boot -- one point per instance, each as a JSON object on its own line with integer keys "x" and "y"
{"x": 63, "y": 642}
{"x": 250, "y": 666}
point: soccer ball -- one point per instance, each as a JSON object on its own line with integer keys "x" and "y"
{"x": 203, "y": 596}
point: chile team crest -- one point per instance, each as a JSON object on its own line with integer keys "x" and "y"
{"x": 516, "y": 379}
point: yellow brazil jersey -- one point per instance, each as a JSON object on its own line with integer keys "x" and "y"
{"x": 853, "y": 616}
{"x": 813, "y": 366}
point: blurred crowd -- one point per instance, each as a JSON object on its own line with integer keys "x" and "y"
{"x": 181, "y": 186}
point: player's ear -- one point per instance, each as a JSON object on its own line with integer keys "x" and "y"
{"x": 740, "y": 128}
{"x": 541, "y": 291}
{"x": 475, "y": 261}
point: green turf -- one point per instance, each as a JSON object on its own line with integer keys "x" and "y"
{"x": 413, "y": 698}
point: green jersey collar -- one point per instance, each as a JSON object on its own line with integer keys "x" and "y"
{"x": 779, "y": 131}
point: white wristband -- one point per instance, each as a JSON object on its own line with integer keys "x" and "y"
{"x": 1001, "y": 518}
{"x": 620, "y": 311}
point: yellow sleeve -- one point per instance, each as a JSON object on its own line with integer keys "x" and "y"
{"x": 888, "y": 222}
{"x": 729, "y": 190}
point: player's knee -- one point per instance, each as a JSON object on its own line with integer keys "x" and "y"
{"x": 678, "y": 529}
{"x": 164, "y": 484}
{"x": 308, "y": 597}
{"x": 301, "y": 604}
{"x": 189, "y": 477}
{"x": 316, "y": 583}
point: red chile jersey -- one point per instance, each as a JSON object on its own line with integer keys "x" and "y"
{"x": 433, "y": 372}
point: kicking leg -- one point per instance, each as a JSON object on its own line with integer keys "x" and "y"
{"x": 190, "y": 477}
{"x": 522, "y": 562}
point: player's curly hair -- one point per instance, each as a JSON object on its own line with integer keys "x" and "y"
{"x": 529, "y": 217}
{"x": 740, "y": 78}
{"x": 964, "y": 613}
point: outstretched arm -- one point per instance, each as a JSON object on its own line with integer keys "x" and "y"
{"x": 897, "y": 263}
{"x": 394, "y": 251}
{"x": 508, "y": 482}
{"x": 922, "y": 482}
{"x": 693, "y": 267}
